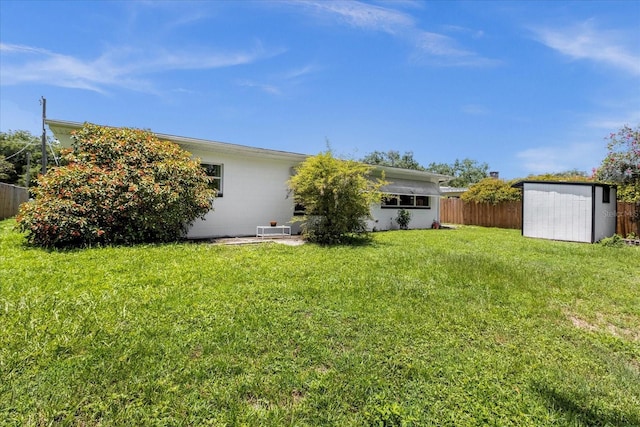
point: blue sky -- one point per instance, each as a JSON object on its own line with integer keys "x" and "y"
{"x": 528, "y": 87}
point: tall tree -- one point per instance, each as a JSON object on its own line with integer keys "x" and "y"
{"x": 392, "y": 158}
{"x": 492, "y": 190}
{"x": 7, "y": 170}
{"x": 16, "y": 147}
{"x": 572, "y": 175}
{"x": 337, "y": 196}
{"x": 622, "y": 166}
{"x": 465, "y": 172}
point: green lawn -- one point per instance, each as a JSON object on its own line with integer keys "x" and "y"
{"x": 473, "y": 326}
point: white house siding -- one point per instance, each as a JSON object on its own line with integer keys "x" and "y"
{"x": 557, "y": 211}
{"x": 254, "y": 184}
{"x": 254, "y": 193}
{"x": 604, "y": 213}
{"x": 385, "y": 218}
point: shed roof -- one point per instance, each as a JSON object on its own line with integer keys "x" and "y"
{"x": 520, "y": 184}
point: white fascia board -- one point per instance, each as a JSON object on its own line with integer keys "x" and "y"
{"x": 62, "y": 130}
{"x": 412, "y": 174}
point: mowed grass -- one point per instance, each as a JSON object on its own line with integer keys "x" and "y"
{"x": 464, "y": 327}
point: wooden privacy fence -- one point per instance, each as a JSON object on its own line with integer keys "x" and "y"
{"x": 627, "y": 219}
{"x": 509, "y": 215}
{"x": 503, "y": 215}
{"x": 11, "y": 197}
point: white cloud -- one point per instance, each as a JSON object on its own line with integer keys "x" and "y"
{"x": 365, "y": 16}
{"x": 476, "y": 34}
{"x": 299, "y": 72}
{"x": 632, "y": 118}
{"x": 267, "y": 88}
{"x": 433, "y": 47}
{"x": 117, "y": 67}
{"x": 444, "y": 50}
{"x": 585, "y": 41}
{"x": 581, "y": 156}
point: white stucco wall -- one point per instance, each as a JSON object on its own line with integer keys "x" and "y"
{"x": 254, "y": 193}
{"x": 557, "y": 211}
{"x": 384, "y": 218}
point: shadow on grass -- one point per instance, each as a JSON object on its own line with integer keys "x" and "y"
{"x": 577, "y": 408}
{"x": 346, "y": 241}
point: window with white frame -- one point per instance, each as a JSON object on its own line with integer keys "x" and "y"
{"x": 214, "y": 172}
{"x": 406, "y": 201}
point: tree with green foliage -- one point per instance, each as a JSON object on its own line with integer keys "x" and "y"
{"x": 337, "y": 196}
{"x": 573, "y": 175}
{"x": 15, "y": 149}
{"x": 622, "y": 164}
{"x": 7, "y": 170}
{"x": 492, "y": 190}
{"x": 118, "y": 186}
{"x": 392, "y": 158}
{"x": 464, "y": 172}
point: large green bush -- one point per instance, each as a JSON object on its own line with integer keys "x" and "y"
{"x": 492, "y": 190}
{"x": 117, "y": 186}
{"x": 337, "y": 196}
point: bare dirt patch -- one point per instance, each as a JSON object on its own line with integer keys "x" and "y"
{"x": 603, "y": 325}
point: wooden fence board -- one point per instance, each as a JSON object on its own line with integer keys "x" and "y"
{"x": 451, "y": 211}
{"x": 509, "y": 215}
{"x": 503, "y": 215}
{"x": 627, "y": 219}
{"x": 11, "y": 197}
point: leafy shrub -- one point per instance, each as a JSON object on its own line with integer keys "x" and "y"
{"x": 337, "y": 196}
{"x": 614, "y": 241}
{"x": 403, "y": 219}
{"x": 118, "y": 186}
{"x": 492, "y": 190}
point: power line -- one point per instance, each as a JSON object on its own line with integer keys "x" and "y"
{"x": 20, "y": 151}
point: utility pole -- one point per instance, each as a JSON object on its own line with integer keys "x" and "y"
{"x": 43, "y": 101}
{"x": 28, "y": 178}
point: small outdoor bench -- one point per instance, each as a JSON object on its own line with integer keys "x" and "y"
{"x": 263, "y": 231}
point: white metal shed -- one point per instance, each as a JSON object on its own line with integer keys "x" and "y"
{"x": 571, "y": 211}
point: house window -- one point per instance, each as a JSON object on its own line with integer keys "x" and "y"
{"x": 214, "y": 172}
{"x": 390, "y": 201}
{"x": 407, "y": 201}
{"x": 299, "y": 209}
{"x": 606, "y": 195}
{"x": 422, "y": 202}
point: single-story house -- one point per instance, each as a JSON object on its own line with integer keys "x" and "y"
{"x": 571, "y": 211}
{"x": 252, "y": 187}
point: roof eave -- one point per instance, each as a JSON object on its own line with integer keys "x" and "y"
{"x": 62, "y": 130}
